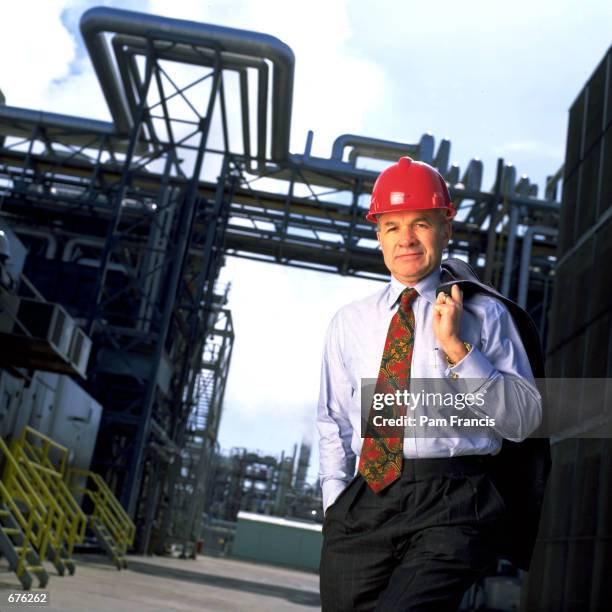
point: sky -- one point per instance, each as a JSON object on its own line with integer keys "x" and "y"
{"x": 497, "y": 79}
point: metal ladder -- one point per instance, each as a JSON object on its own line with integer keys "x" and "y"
{"x": 56, "y": 527}
{"x": 108, "y": 542}
{"x": 18, "y": 551}
{"x": 32, "y": 450}
{"x": 109, "y": 522}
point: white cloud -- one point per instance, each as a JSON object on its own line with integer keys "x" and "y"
{"x": 497, "y": 81}
{"x": 280, "y": 319}
{"x": 482, "y": 73}
{"x": 328, "y": 93}
{"x": 35, "y": 49}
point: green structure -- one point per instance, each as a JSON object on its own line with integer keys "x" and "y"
{"x": 278, "y": 541}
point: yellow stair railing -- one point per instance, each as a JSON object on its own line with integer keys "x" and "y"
{"x": 25, "y": 522}
{"x": 109, "y": 521}
{"x": 36, "y": 448}
{"x": 47, "y": 451}
{"x": 57, "y": 525}
{"x": 43, "y": 465}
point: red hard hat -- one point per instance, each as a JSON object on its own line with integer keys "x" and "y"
{"x": 409, "y": 185}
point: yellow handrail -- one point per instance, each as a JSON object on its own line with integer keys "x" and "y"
{"x": 37, "y": 458}
{"x": 76, "y": 521}
{"x": 56, "y": 533}
{"x": 36, "y": 519}
{"x": 42, "y": 445}
{"x": 44, "y": 463}
{"x": 106, "y": 507}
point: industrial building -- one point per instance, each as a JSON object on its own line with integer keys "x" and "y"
{"x": 116, "y": 340}
{"x": 570, "y": 565}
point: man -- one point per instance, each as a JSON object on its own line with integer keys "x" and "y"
{"x": 414, "y": 528}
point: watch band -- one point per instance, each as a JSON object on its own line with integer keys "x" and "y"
{"x": 467, "y": 345}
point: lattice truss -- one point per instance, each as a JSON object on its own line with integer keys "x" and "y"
{"x": 128, "y": 221}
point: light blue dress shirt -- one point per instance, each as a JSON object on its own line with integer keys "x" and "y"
{"x": 353, "y": 349}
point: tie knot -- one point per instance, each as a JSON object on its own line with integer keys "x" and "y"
{"x": 408, "y": 296}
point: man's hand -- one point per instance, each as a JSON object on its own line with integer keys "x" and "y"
{"x": 446, "y": 323}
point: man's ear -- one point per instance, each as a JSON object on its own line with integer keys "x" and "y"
{"x": 378, "y": 238}
{"x": 448, "y": 232}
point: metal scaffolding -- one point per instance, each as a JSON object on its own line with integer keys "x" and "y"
{"x": 131, "y": 220}
{"x": 189, "y": 479}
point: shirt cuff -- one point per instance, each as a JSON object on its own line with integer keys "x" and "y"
{"x": 331, "y": 489}
{"x": 475, "y": 367}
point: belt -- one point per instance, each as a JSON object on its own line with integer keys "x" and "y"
{"x": 463, "y": 464}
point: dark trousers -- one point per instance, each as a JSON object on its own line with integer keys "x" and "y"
{"x": 417, "y": 545}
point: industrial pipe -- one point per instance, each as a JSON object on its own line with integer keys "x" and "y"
{"x": 387, "y": 149}
{"x": 526, "y": 258}
{"x": 125, "y": 46}
{"x": 96, "y": 21}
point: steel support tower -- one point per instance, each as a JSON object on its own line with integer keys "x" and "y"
{"x": 128, "y": 223}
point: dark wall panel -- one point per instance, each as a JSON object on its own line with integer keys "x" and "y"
{"x": 574, "y": 551}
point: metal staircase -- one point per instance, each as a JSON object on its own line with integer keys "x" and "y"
{"x": 109, "y": 522}
{"x": 40, "y": 517}
{"x": 24, "y": 523}
{"x": 18, "y": 550}
{"x": 108, "y": 543}
{"x": 34, "y": 450}
{"x": 191, "y": 478}
{"x": 56, "y": 526}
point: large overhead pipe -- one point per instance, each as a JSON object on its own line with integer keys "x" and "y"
{"x": 253, "y": 46}
{"x": 442, "y": 158}
{"x": 522, "y": 188}
{"x": 47, "y": 235}
{"x": 97, "y": 21}
{"x": 526, "y": 258}
{"x": 383, "y": 149}
{"x": 125, "y": 47}
{"x": 472, "y": 177}
{"x": 64, "y": 129}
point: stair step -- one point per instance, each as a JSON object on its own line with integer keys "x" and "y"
{"x": 35, "y": 569}
{"x": 5, "y": 513}
{"x": 11, "y": 530}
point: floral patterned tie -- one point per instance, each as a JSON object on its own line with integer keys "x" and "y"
{"x": 380, "y": 462}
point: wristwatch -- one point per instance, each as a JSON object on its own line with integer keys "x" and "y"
{"x": 468, "y": 347}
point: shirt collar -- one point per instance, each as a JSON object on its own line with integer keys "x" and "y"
{"x": 426, "y": 288}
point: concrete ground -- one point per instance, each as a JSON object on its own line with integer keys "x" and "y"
{"x": 156, "y": 584}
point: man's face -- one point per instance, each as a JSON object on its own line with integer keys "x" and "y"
{"x": 412, "y": 242}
